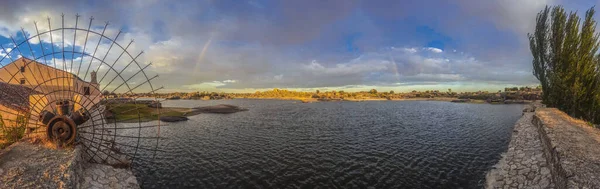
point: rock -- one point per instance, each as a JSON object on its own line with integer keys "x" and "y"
{"x": 306, "y": 101}
{"x": 108, "y": 114}
{"x": 529, "y": 108}
{"x": 545, "y": 171}
{"x": 461, "y": 100}
{"x": 173, "y": 118}
{"x": 544, "y": 182}
{"x": 131, "y": 180}
{"x": 99, "y": 172}
{"x": 219, "y": 109}
{"x": 173, "y": 98}
{"x": 155, "y": 105}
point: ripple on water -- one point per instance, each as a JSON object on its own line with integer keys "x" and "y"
{"x": 281, "y": 144}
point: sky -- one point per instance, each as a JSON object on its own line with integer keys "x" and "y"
{"x": 246, "y": 46}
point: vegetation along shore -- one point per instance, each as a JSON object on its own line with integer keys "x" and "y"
{"x": 125, "y": 108}
{"x": 508, "y": 95}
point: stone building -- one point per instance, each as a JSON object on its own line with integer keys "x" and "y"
{"x": 43, "y": 86}
{"x": 14, "y": 103}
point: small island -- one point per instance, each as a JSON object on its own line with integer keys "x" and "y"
{"x": 132, "y": 111}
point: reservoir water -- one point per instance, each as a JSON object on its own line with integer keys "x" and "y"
{"x": 287, "y": 144}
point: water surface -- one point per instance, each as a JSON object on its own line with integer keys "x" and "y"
{"x": 285, "y": 144}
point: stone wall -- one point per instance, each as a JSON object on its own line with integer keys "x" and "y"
{"x": 572, "y": 147}
{"x": 523, "y": 165}
{"x": 551, "y": 154}
{"x": 563, "y": 149}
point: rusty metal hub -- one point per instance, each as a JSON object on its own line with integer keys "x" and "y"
{"x": 62, "y": 129}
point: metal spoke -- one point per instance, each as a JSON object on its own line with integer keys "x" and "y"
{"x": 61, "y": 93}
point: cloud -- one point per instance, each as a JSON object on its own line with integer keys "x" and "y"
{"x": 433, "y": 49}
{"x": 5, "y": 53}
{"x": 409, "y": 50}
{"x": 514, "y": 15}
{"x": 227, "y": 45}
{"x": 354, "y": 67}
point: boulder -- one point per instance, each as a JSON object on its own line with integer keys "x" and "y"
{"x": 173, "y": 118}
{"x": 461, "y": 100}
{"x": 173, "y": 98}
{"x": 109, "y": 114}
{"x": 155, "y": 105}
{"x": 219, "y": 109}
{"x": 529, "y": 108}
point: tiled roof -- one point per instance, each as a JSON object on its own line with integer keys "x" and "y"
{"x": 15, "y": 96}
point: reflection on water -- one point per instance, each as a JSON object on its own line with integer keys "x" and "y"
{"x": 284, "y": 144}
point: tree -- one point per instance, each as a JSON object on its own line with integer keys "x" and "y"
{"x": 391, "y": 92}
{"x": 565, "y": 61}
{"x": 373, "y": 91}
{"x": 538, "y": 44}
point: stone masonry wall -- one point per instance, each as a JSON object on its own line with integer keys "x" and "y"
{"x": 573, "y": 149}
{"x": 551, "y": 154}
{"x": 523, "y": 165}
{"x": 563, "y": 149}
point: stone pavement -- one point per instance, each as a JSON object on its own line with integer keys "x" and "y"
{"x": 26, "y": 165}
{"x": 104, "y": 176}
{"x": 524, "y": 164}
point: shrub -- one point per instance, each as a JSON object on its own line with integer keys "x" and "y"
{"x": 12, "y": 133}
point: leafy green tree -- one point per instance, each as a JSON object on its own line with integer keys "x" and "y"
{"x": 565, "y": 61}
{"x": 538, "y": 43}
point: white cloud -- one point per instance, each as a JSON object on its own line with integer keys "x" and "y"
{"x": 409, "y": 50}
{"x": 433, "y": 49}
{"x": 5, "y": 53}
{"x": 355, "y": 66}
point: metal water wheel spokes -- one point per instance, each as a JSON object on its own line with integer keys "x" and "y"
{"x": 61, "y": 79}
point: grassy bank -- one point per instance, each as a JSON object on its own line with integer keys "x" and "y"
{"x": 129, "y": 113}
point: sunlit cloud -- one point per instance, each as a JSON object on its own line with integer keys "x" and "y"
{"x": 220, "y": 45}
